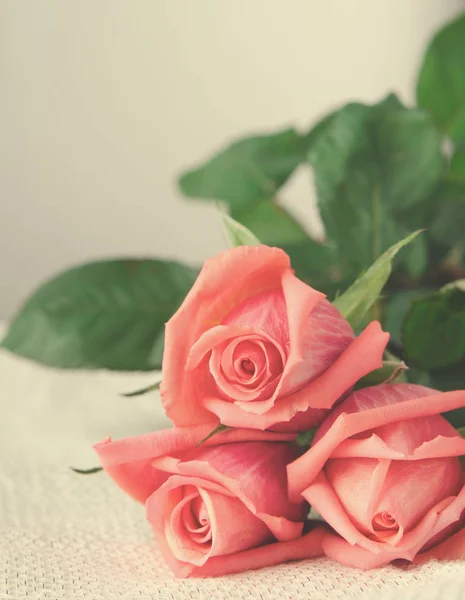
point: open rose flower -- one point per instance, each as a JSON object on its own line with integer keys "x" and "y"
{"x": 384, "y": 472}
{"x": 216, "y": 508}
{"x": 258, "y": 348}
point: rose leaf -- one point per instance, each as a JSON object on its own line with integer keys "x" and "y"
{"x": 355, "y": 302}
{"x": 441, "y": 82}
{"x": 373, "y": 166}
{"x": 108, "y": 315}
{"x": 434, "y": 329}
{"x": 247, "y": 171}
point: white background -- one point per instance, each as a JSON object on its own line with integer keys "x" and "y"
{"x": 103, "y": 102}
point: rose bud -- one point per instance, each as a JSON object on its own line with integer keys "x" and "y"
{"x": 384, "y": 472}
{"x": 215, "y": 508}
{"x": 256, "y": 347}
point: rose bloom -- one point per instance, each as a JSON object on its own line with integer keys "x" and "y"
{"x": 384, "y": 472}
{"x": 216, "y": 508}
{"x": 256, "y": 347}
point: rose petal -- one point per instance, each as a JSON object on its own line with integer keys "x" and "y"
{"x": 453, "y": 548}
{"x": 450, "y": 512}
{"x": 183, "y": 544}
{"x": 436, "y": 520}
{"x": 233, "y": 526}
{"x": 302, "y": 421}
{"x": 415, "y": 439}
{"x": 128, "y": 461}
{"x": 374, "y": 397}
{"x": 370, "y": 417}
{"x": 195, "y": 518}
{"x": 265, "y": 313}
{"x": 269, "y": 366}
{"x": 318, "y": 334}
{"x": 216, "y": 341}
{"x": 354, "y": 549}
{"x": 253, "y": 269}
{"x": 370, "y": 447}
{"x": 407, "y": 436}
{"x": 357, "y": 483}
{"x": 262, "y": 357}
{"x": 232, "y": 468}
{"x": 305, "y": 547}
{"x": 441, "y": 447}
{"x": 211, "y": 338}
{"x": 324, "y": 500}
{"x": 315, "y": 343}
{"x": 360, "y": 358}
{"x": 231, "y": 364}
{"x": 337, "y": 548}
{"x": 342, "y": 426}
{"x": 411, "y": 489}
{"x": 301, "y": 300}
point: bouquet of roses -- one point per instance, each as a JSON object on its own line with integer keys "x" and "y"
{"x": 274, "y": 409}
{"x": 281, "y": 400}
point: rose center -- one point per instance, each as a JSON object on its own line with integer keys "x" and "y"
{"x": 197, "y": 521}
{"x": 194, "y": 518}
{"x": 248, "y": 366}
{"x": 383, "y": 520}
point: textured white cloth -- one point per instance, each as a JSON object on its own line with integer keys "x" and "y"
{"x": 66, "y": 536}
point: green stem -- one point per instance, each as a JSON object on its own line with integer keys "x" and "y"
{"x": 150, "y": 388}
{"x": 218, "y": 428}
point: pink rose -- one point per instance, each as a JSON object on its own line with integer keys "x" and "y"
{"x": 256, "y": 347}
{"x": 215, "y": 508}
{"x": 384, "y": 472}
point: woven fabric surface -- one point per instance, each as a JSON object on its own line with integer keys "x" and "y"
{"x": 73, "y": 537}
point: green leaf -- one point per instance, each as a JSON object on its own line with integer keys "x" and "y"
{"x": 316, "y": 263}
{"x": 392, "y": 370}
{"x": 247, "y": 171}
{"x": 408, "y": 154}
{"x": 419, "y": 377}
{"x": 150, "y": 388}
{"x": 434, "y": 330}
{"x": 238, "y": 234}
{"x": 356, "y": 301}
{"x": 441, "y": 82}
{"x": 213, "y": 432}
{"x": 448, "y": 225}
{"x": 272, "y": 224}
{"x": 449, "y": 379}
{"x": 107, "y": 315}
{"x": 417, "y": 258}
{"x": 318, "y": 129}
{"x": 371, "y": 164}
{"x": 396, "y": 308}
